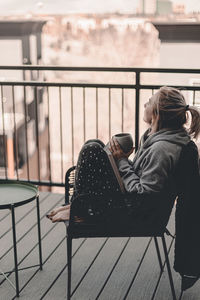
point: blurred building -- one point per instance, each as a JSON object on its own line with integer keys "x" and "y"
{"x": 164, "y": 7}
{"x": 179, "y": 9}
{"x": 20, "y": 42}
{"x": 147, "y": 7}
{"x": 153, "y": 7}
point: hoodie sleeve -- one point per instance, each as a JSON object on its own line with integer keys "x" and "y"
{"x": 154, "y": 170}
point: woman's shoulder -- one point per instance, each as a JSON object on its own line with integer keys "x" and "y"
{"x": 165, "y": 145}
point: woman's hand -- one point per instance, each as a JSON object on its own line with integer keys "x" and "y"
{"x": 117, "y": 151}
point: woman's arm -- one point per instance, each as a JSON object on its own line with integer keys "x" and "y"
{"x": 154, "y": 171}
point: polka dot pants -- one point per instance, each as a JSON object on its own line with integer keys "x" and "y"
{"x": 94, "y": 174}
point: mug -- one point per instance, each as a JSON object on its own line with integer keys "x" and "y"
{"x": 125, "y": 141}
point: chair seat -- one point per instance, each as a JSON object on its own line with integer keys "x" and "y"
{"x": 84, "y": 230}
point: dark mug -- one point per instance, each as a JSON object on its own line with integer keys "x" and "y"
{"x": 125, "y": 141}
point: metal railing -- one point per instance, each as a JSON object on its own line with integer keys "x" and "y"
{"x": 41, "y": 130}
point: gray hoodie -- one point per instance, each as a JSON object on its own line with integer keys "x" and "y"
{"x": 154, "y": 162}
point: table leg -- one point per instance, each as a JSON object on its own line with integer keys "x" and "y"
{"x": 39, "y": 232}
{"x": 15, "y": 250}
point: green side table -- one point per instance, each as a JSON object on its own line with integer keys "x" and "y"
{"x": 14, "y": 194}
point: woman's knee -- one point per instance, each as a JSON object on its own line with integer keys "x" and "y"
{"x": 92, "y": 145}
{"x": 95, "y": 141}
{"x": 92, "y": 150}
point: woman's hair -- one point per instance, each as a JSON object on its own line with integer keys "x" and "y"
{"x": 171, "y": 109}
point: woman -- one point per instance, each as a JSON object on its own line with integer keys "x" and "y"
{"x": 152, "y": 169}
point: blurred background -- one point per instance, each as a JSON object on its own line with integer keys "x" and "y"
{"x": 55, "y": 100}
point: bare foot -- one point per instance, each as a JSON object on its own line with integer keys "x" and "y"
{"x": 62, "y": 215}
{"x": 57, "y": 210}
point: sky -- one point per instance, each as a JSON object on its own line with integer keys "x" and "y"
{"x": 8, "y": 7}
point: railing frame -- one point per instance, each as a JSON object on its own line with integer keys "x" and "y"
{"x": 137, "y": 86}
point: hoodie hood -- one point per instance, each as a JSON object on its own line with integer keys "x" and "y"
{"x": 179, "y": 137}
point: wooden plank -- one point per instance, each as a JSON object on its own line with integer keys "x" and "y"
{"x": 3, "y": 214}
{"x": 30, "y": 219}
{"x": 149, "y": 273}
{"x": 147, "y": 276}
{"x": 52, "y": 266}
{"x": 109, "y": 266}
{"x": 20, "y": 213}
{"x": 80, "y": 264}
{"x": 95, "y": 278}
{"x": 29, "y": 222}
{"x": 192, "y": 293}
{"x": 29, "y": 241}
{"x": 120, "y": 280}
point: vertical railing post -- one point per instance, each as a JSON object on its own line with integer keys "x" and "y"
{"x": 84, "y": 117}
{"x": 109, "y": 112}
{"x": 72, "y": 124}
{"x": 97, "y": 114}
{"x": 26, "y": 133}
{"x": 37, "y": 131}
{"x": 15, "y": 134}
{"x": 49, "y": 136}
{"x": 137, "y": 108}
{"x": 193, "y": 98}
{"x": 61, "y": 134}
{"x": 4, "y": 133}
{"x": 122, "y": 112}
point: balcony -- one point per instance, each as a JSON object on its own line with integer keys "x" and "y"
{"x": 38, "y": 136}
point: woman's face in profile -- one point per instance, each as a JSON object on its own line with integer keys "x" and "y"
{"x": 148, "y": 109}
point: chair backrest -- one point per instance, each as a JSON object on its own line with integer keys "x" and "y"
{"x": 187, "y": 179}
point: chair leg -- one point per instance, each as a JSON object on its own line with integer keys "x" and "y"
{"x": 39, "y": 232}
{"x": 69, "y": 266}
{"x": 15, "y": 251}
{"x": 168, "y": 268}
{"x": 158, "y": 253}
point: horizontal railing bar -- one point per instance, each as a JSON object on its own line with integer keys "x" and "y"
{"x": 68, "y": 84}
{"x": 94, "y": 85}
{"x": 181, "y": 87}
{"x": 100, "y": 69}
{"x": 37, "y": 182}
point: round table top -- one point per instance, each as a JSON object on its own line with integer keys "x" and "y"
{"x": 16, "y": 193}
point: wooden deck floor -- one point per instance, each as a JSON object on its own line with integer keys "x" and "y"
{"x": 114, "y": 268}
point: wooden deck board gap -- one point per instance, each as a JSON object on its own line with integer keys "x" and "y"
{"x": 137, "y": 270}
{"x": 114, "y": 266}
{"x": 5, "y": 216}
{"x": 62, "y": 270}
{"x": 90, "y": 265}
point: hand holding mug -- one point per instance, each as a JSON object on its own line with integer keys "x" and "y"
{"x": 121, "y": 145}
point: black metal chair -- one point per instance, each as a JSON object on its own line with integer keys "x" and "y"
{"x": 87, "y": 229}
